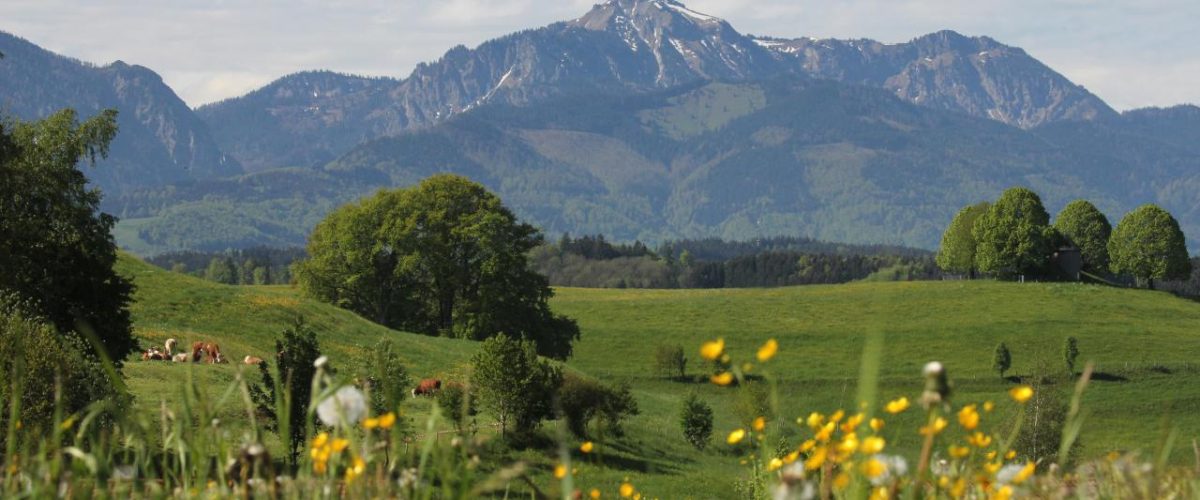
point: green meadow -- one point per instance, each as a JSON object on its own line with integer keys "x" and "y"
{"x": 1143, "y": 344}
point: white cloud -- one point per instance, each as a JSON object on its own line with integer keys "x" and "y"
{"x": 1129, "y": 53}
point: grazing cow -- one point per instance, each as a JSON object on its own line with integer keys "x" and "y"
{"x": 197, "y": 351}
{"x": 252, "y": 360}
{"x": 182, "y": 357}
{"x": 214, "y": 353}
{"x": 170, "y": 345}
{"x": 427, "y": 387}
{"x": 153, "y": 354}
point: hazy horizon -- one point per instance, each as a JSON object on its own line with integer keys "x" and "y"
{"x": 1131, "y": 56}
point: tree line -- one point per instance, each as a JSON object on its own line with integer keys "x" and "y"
{"x": 1014, "y": 237}
{"x": 251, "y": 266}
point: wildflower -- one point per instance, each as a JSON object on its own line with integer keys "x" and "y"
{"x": 874, "y": 468}
{"x": 713, "y": 349}
{"x": 841, "y": 481}
{"x": 736, "y": 436}
{"x": 968, "y": 417}
{"x": 66, "y": 425}
{"x": 815, "y": 420}
{"x": 876, "y": 424}
{"x": 873, "y": 445}
{"x": 791, "y": 457}
{"x": 723, "y": 378}
{"x": 320, "y": 440}
{"x": 626, "y": 490}
{"x": 774, "y": 464}
{"x": 807, "y": 445}
{"x": 825, "y": 433}
{"x": 321, "y": 362}
{"x": 936, "y": 427}
{"x": 595, "y": 493}
{"x": 837, "y": 416}
{"x": 880, "y": 493}
{"x": 387, "y": 421}
{"x": 979, "y": 439}
{"x": 587, "y": 447}
{"x": 992, "y": 467}
{"x": 853, "y": 422}
{"x": 767, "y": 351}
{"x": 560, "y": 471}
{"x": 346, "y": 406}
{"x": 937, "y": 386}
{"x": 340, "y": 445}
{"x": 959, "y": 451}
{"x": 893, "y": 466}
{"x": 1015, "y": 473}
{"x": 959, "y": 488}
{"x": 816, "y": 460}
{"x": 896, "y": 406}
{"x": 370, "y": 423}
{"x": 1010, "y": 455}
{"x": 988, "y": 406}
{"x": 991, "y": 455}
{"x": 1021, "y": 394}
{"x": 1003, "y": 493}
{"x": 760, "y": 423}
{"x": 356, "y": 468}
{"x": 849, "y": 444}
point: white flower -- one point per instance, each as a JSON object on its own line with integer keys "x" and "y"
{"x": 1008, "y": 472}
{"x": 933, "y": 369}
{"x": 321, "y": 361}
{"x": 345, "y": 407}
{"x": 893, "y": 466}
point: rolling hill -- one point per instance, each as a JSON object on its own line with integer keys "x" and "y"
{"x": 1141, "y": 342}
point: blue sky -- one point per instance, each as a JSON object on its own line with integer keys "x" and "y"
{"x": 1130, "y": 53}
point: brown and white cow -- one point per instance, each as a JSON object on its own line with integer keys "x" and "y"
{"x": 252, "y": 360}
{"x": 427, "y": 387}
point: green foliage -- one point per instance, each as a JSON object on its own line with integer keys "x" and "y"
{"x": 457, "y": 404}
{"x": 1084, "y": 226}
{"x": 1070, "y": 353}
{"x": 56, "y": 250}
{"x": 753, "y": 401}
{"x": 1148, "y": 244}
{"x": 1045, "y": 415}
{"x": 296, "y": 350}
{"x": 696, "y": 419}
{"x": 669, "y": 361}
{"x": 957, "y": 251}
{"x": 584, "y": 400}
{"x": 221, "y": 270}
{"x": 513, "y": 384}
{"x": 388, "y": 378}
{"x": 1013, "y": 237}
{"x": 444, "y": 257}
{"x": 49, "y": 367}
{"x": 1001, "y": 359}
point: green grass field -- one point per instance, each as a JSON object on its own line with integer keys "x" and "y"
{"x": 1142, "y": 343}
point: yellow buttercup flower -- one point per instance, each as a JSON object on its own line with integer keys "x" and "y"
{"x": 837, "y": 416}
{"x": 340, "y": 444}
{"x": 1021, "y": 394}
{"x": 880, "y": 493}
{"x": 991, "y": 455}
{"x": 1024, "y": 473}
{"x": 774, "y": 464}
{"x": 853, "y": 422}
{"x": 936, "y": 427}
{"x": 980, "y": 440}
{"x": 626, "y": 490}
{"x": 791, "y": 457}
{"x": 815, "y": 420}
{"x": 841, "y": 481}
{"x": 959, "y": 451}
{"x": 874, "y": 468}
{"x": 1010, "y": 455}
{"x": 968, "y": 417}
{"x": 873, "y": 445}
{"x": 816, "y": 459}
{"x": 356, "y": 468}
{"x": 587, "y": 447}
{"x": 826, "y": 432}
{"x": 760, "y": 423}
{"x": 387, "y": 421}
{"x": 712, "y": 350}
{"x": 768, "y": 350}
{"x": 723, "y": 378}
{"x": 560, "y": 471}
{"x": 736, "y": 436}
{"x": 876, "y": 424}
{"x": 807, "y": 445}
{"x": 320, "y": 440}
{"x": 849, "y": 444}
{"x": 1003, "y": 493}
{"x": 988, "y": 406}
{"x": 595, "y": 493}
{"x": 370, "y": 423}
{"x": 896, "y": 406}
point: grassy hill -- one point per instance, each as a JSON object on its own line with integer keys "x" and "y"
{"x": 1143, "y": 343}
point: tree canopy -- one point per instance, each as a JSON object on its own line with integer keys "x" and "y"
{"x": 1149, "y": 245}
{"x": 1084, "y": 226}
{"x": 1013, "y": 237}
{"x": 957, "y": 251}
{"x": 56, "y": 249}
{"x": 444, "y": 257}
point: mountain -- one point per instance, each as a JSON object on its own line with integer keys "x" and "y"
{"x": 786, "y": 156}
{"x": 632, "y": 46}
{"x": 160, "y": 141}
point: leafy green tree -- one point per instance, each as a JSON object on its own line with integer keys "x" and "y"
{"x": 1148, "y": 244}
{"x": 957, "y": 251}
{"x": 296, "y": 351}
{"x": 388, "y": 378}
{"x": 1013, "y": 237}
{"x": 1070, "y": 353}
{"x": 1001, "y": 359}
{"x": 696, "y": 419}
{"x": 1084, "y": 226}
{"x": 443, "y": 257}
{"x": 583, "y": 400}
{"x": 222, "y": 270}
{"x": 513, "y": 384}
{"x": 670, "y": 361}
{"x": 457, "y": 404}
{"x": 56, "y": 248}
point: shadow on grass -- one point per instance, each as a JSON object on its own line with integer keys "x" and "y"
{"x": 1109, "y": 377}
{"x": 643, "y": 459}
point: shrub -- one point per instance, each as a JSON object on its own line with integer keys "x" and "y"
{"x": 696, "y": 419}
{"x": 388, "y": 379}
{"x": 513, "y": 384}
{"x": 296, "y": 351}
{"x": 584, "y": 400}
{"x": 457, "y": 403}
{"x": 1070, "y": 353}
{"x": 40, "y": 363}
{"x": 1001, "y": 359}
{"x": 752, "y": 401}
{"x": 670, "y": 361}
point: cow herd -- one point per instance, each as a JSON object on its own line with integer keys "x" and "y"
{"x": 201, "y": 352}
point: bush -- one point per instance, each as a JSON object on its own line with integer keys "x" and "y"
{"x": 34, "y": 359}
{"x": 1070, "y": 353}
{"x": 457, "y": 403}
{"x": 752, "y": 401}
{"x": 388, "y": 379}
{"x": 1001, "y": 359}
{"x": 295, "y": 352}
{"x": 696, "y": 419}
{"x": 583, "y": 400}
{"x": 513, "y": 384}
{"x": 669, "y": 361}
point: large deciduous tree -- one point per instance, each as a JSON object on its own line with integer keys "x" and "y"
{"x": 1148, "y": 244}
{"x": 56, "y": 248}
{"x": 1084, "y": 226}
{"x": 957, "y": 252}
{"x": 443, "y": 257}
{"x": 1013, "y": 237}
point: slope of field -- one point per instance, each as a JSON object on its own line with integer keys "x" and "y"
{"x": 1142, "y": 342}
